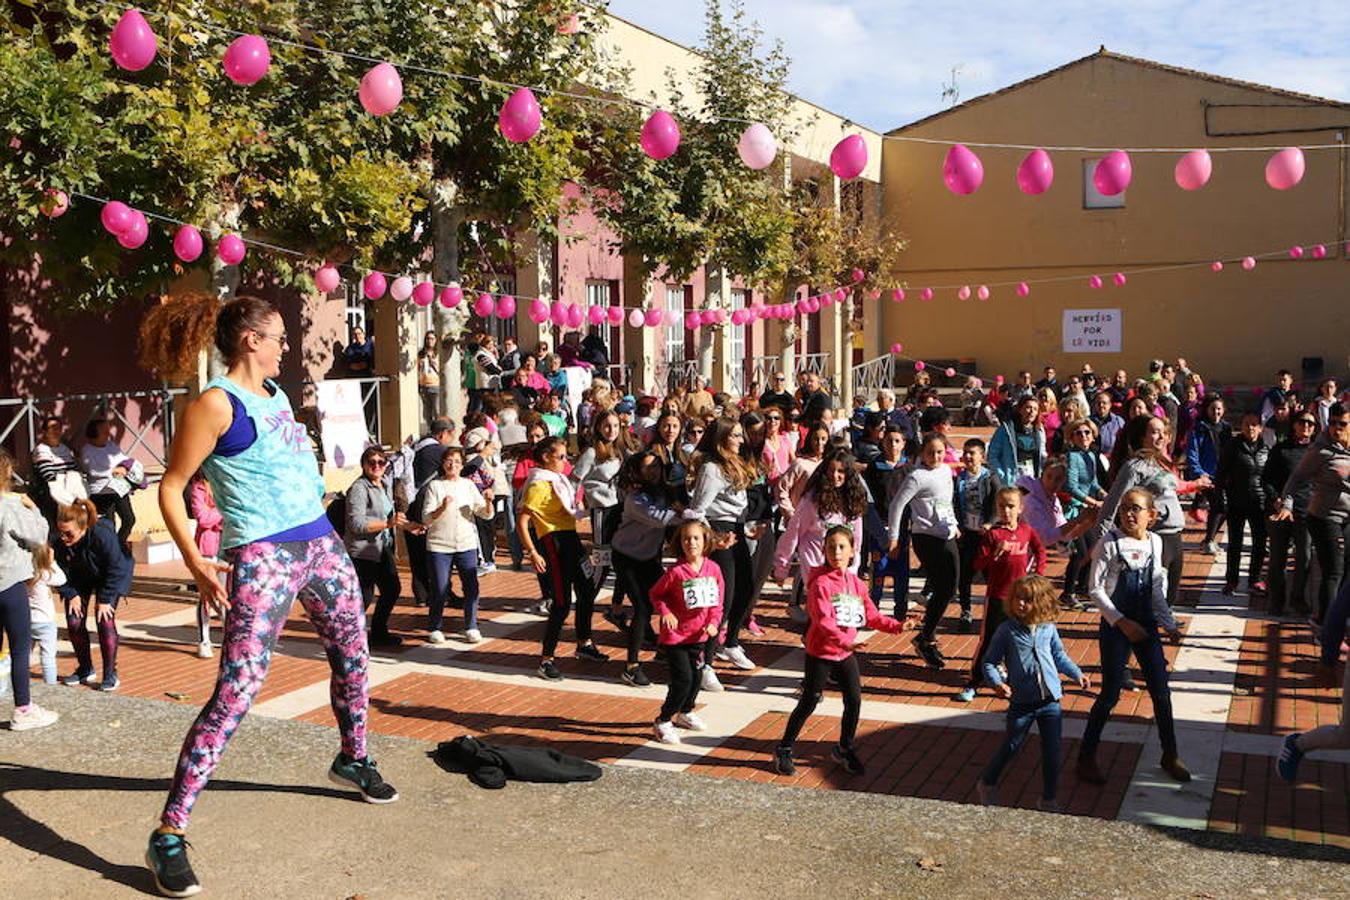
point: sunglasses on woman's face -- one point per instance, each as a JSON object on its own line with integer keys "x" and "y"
{"x": 378, "y": 463}
{"x": 1309, "y": 422}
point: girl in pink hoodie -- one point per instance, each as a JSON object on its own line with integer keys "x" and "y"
{"x": 838, "y": 604}
{"x": 202, "y": 505}
{"x": 688, "y": 599}
{"x": 835, "y": 495}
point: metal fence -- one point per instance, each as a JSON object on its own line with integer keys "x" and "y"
{"x": 873, "y": 375}
{"x": 670, "y": 374}
{"x": 306, "y": 400}
{"x": 818, "y": 363}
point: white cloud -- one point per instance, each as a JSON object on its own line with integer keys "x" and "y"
{"x": 883, "y": 62}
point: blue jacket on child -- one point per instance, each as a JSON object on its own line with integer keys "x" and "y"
{"x": 1035, "y": 659}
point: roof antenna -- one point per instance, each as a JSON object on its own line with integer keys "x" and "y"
{"x": 951, "y": 93}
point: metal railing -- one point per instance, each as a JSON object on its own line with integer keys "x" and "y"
{"x": 682, "y": 372}
{"x": 307, "y": 400}
{"x": 873, "y": 375}
{"x": 819, "y": 363}
{"x": 621, "y": 376}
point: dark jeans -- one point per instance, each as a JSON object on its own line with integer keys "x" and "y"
{"x": 1172, "y": 558}
{"x": 1255, "y": 520}
{"x": 967, "y": 547}
{"x": 379, "y": 573}
{"x": 109, "y": 505}
{"x": 1049, "y": 721}
{"x": 464, "y": 562}
{"x": 1213, "y": 499}
{"x": 1333, "y": 629}
{"x": 897, "y": 569}
{"x": 418, "y": 564}
{"x": 684, "y": 661}
{"x": 604, "y": 522}
{"x": 16, "y": 625}
{"x": 487, "y": 539}
{"x": 813, "y": 684}
{"x": 738, "y": 576}
{"x": 1115, "y": 650}
{"x": 940, "y": 560}
{"x": 431, "y": 399}
{"x": 1330, "y": 541}
{"x": 77, "y": 630}
{"x": 1283, "y": 537}
{"x": 637, "y": 577}
{"x": 563, "y": 552}
{"x": 1080, "y": 559}
{"x": 994, "y": 616}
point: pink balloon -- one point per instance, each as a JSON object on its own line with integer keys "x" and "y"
{"x": 636, "y": 319}
{"x": 898, "y": 295}
{"x": 1319, "y": 251}
{"x": 1119, "y": 279}
{"x": 570, "y": 24}
{"x": 692, "y": 320}
{"x": 963, "y": 293}
{"x": 1095, "y": 282}
{"x": 231, "y": 249}
{"x": 840, "y": 295}
{"x": 373, "y": 286}
{"x": 1216, "y": 266}
{"x": 506, "y": 307}
{"x": 381, "y": 90}
{"x": 757, "y": 147}
{"x": 926, "y": 294}
{"x": 718, "y": 316}
{"x": 1193, "y": 170}
{"x": 1112, "y": 174}
{"x": 897, "y": 347}
{"x": 132, "y": 43}
{"x": 402, "y": 288}
{"x": 813, "y": 304}
{"x": 874, "y": 295}
{"x": 654, "y": 318}
{"x": 962, "y": 171}
{"x": 136, "y": 233}
{"x": 708, "y": 317}
{"x": 557, "y": 312}
{"x": 1295, "y": 252}
{"x": 326, "y": 278}
{"x": 596, "y": 315}
{"x": 520, "y": 116}
{"x": 857, "y": 275}
{"x": 849, "y": 157}
{"x": 615, "y": 314}
{"x": 424, "y": 294}
{"x": 452, "y": 295}
{"x": 484, "y": 305}
{"x": 1036, "y": 173}
{"x": 949, "y": 371}
{"x": 187, "y": 243}
{"x": 660, "y": 135}
{"x": 116, "y": 216}
{"x": 1248, "y": 263}
{"x": 247, "y": 59}
{"x": 1285, "y": 169}
{"x": 539, "y": 311}
{"x": 574, "y": 317}
{"x": 54, "y": 203}
{"x": 1023, "y": 289}
{"x": 982, "y": 292}
{"x": 919, "y": 365}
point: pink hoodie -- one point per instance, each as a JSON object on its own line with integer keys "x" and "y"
{"x": 838, "y": 605}
{"x": 209, "y": 519}
{"x": 694, "y": 596}
{"x": 804, "y": 538}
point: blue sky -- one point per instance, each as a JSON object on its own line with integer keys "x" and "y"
{"x": 883, "y": 63}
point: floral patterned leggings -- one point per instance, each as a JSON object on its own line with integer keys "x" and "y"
{"x": 265, "y": 581}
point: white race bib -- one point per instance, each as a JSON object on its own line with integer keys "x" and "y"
{"x": 600, "y": 557}
{"x": 849, "y": 611}
{"x": 700, "y": 593}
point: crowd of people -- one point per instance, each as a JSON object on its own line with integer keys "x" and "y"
{"x": 688, "y": 506}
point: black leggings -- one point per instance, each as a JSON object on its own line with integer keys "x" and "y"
{"x": 1255, "y": 520}
{"x": 1080, "y": 559}
{"x": 968, "y": 547}
{"x": 562, "y": 550}
{"x": 1330, "y": 541}
{"x": 16, "y": 625}
{"x": 685, "y": 678}
{"x": 637, "y": 577}
{"x": 941, "y": 561}
{"x": 381, "y": 574}
{"x": 1172, "y": 558}
{"x": 994, "y": 616}
{"x": 813, "y": 684}
{"x": 108, "y": 504}
{"x": 738, "y": 575}
{"x": 604, "y": 522}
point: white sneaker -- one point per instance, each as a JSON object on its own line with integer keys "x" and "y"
{"x": 436, "y": 637}
{"x": 32, "y": 717}
{"x": 487, "y": 568}
{"x": 1212, "y": 548}
{"x": 473, "y": 635}
{"x": 666, "y": 733}
{"x": 204, "y": 650}
{"x": 722, "y": 654}
{"x": 690, "y": 722}
{"x": 710, "y": 682}
{"x": 736, "y": 656}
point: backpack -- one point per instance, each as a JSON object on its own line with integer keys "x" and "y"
{"x": 337, "y": 510}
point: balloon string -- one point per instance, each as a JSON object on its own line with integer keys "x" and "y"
{"x": 624, "y": 101}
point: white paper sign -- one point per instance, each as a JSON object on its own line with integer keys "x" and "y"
{"x": 342, "y": 421}
{"x": 1092, "y": 331}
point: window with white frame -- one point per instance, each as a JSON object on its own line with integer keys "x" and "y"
{"x": 675, "y": 332}
{"x": 355, "y": 305}
{"x": 1093, "y": 198}
{"x": 739, "y": 300}
{"x": 606, "y": 294}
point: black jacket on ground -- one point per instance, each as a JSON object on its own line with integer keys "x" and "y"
{"x": 490, "y": 766}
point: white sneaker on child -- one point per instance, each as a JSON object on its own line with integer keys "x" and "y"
{"x": 710, "y": 682}
{"x": 204, "y": 650}
{"x": 32, "y": 717}
{"x": 736, "y": 656}
{"x": 690, "y": 722}
{"x": 666, "y": 733}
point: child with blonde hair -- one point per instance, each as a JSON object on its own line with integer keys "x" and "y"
{"x": 42, "y": 610}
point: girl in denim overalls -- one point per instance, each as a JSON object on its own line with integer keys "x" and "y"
{"x": 1128, "y": 584}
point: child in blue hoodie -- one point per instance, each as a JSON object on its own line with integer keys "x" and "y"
{"x": 1028, "y": 644}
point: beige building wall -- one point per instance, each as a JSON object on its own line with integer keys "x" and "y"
{"x": 1232, "y": 326}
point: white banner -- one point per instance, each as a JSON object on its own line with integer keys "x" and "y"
{"x": 342, "y": 421}
{"x": 1092, "y": 331}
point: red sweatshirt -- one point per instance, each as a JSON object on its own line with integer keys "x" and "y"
{"x": 1025, "y": 555}
{"x": 695, "y": 597}
{"x": 838, "y": 605}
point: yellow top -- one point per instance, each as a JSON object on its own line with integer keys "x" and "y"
{"x": 547, "y": 512}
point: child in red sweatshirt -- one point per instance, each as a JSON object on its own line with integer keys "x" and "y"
{"x": 1009, "y": 550}
{"x": 837, "y": 604}
{"x": 688, "y": 599}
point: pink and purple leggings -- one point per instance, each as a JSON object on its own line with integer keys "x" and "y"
{"x": 265, "y": 581}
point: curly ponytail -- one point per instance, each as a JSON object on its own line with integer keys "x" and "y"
{"x": 174, "y": 333}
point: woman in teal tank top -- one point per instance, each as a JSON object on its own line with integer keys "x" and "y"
{"x": 277, "y": 546}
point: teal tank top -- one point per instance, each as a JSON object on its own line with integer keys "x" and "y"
{"x": 272, "y": 486}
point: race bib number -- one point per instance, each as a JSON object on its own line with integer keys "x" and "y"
{"x": 700, "y": 593}
{"x": 849, "y": 611}
{"x": 600, "y": 557}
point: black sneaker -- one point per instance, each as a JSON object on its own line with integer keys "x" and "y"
{"x": 167, "y": 858}
{"x": 591, "y": 653}
{"x": 636, "y": 677}
{"x": 77, "y": 678}
{"x": 966, "y": 624}
{"x": 362, "y": 774}
{"x": 385, "y": 641}
{"x": 928, "y": 650}
{"x": 782, "y": 761}
{"x": 548, "y": 671}
{"x": 848, "y": 759}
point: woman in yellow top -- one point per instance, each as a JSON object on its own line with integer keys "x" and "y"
{"x": 550, "y": 506}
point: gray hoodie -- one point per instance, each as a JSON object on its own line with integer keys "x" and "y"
{"x": 643, "y": 529}
{"x": 598, "y": 479}
{"x": 713, "y": 500}
{"x": 1326, "y": 467}
{"x": 928, "y": 494}
{"x": 21, "y": 529}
